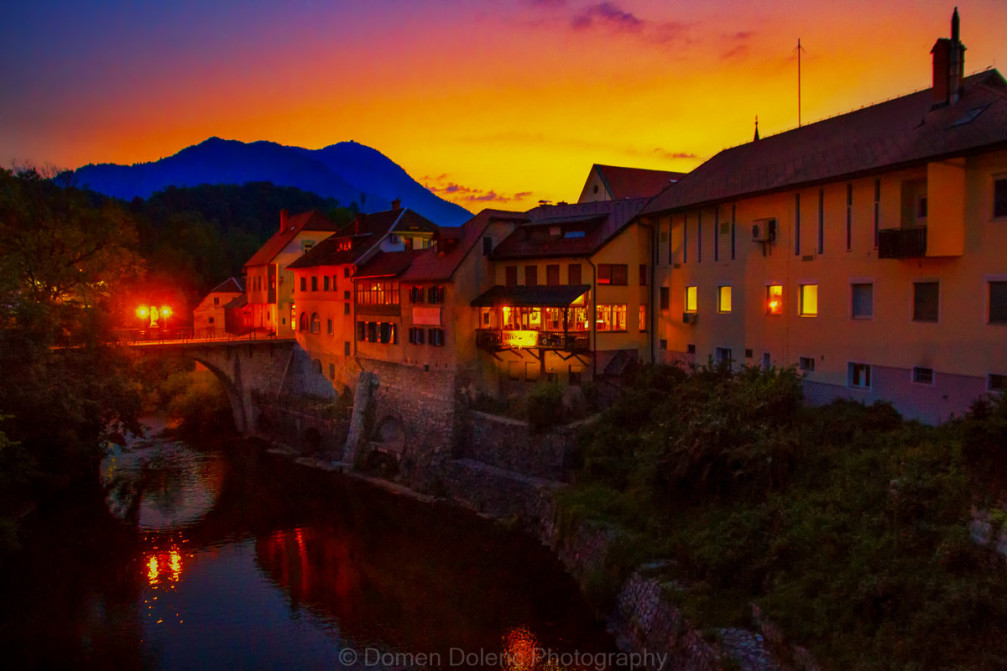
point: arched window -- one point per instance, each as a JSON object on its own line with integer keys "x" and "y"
{"x": 316, "y": 323}
{"x": 302, "y": 323}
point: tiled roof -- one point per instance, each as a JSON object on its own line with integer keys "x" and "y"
{"x": 554, "y": 230}
{"x": 306, "y": 221}
{"x": 439, "y": 263}
{"x": 900, "y": 132}
{"x": 229, "y": 286}
{"x": 543, "y": 296}
{"x": 387, "y": 264}
{"x": 635, "y": 182}
{"x": 239, "y": 302}
{"x": 363, "y": 234}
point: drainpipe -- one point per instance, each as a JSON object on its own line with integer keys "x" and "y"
{"x": 593, "y": 316}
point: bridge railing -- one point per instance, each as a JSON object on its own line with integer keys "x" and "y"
{"x": 186, "y": 334}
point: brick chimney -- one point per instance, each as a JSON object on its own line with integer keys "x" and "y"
{"x": 284, "y": 220}
{"x": 358, "y": 221}
{"x": 396, "y": 205}
{"x": 949, "y": 66}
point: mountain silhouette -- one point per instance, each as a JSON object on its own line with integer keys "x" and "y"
{"x": 348, "y": 171}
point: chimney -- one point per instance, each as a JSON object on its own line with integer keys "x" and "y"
{"x": 396, "y": 204}
{"x": 358, "y": 222}
{"x": 284, "y": 220}
{"x": 949, "y": 66}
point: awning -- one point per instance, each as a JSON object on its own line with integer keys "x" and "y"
{"x": 559, "y": 296}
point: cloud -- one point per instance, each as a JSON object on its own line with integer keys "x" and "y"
{"x": 608, "y": 15}
{"x": 546, "y": 3}
{"x": 737, "y": 45}
{"x": 459, "y": 193}
{"x": 664, "y": 153}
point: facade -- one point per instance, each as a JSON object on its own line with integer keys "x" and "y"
{"x": 570, "y": 297}
{"x": 323, "y": 285}
{"x": 869, "y": 250}
{"x": 269, "y": 283}
{"x": 210, "y": 317}
{"x": 609, "y": 182}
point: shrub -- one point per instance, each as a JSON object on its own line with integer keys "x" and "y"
{"x": 544, "y": 406}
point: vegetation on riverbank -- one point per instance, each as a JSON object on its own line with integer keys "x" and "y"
{"x": 847, "y": 525}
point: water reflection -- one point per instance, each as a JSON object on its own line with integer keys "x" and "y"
{"x": 242, "y": 560}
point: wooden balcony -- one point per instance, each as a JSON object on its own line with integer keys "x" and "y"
{"x": 902, "y": 243}
{"x": 496, "y": 340}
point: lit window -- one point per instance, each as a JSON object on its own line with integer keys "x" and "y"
{"x": 724, "y": 299}
{"x": 611, "y": 317}
{"x": 643, "y": 318}
{"x": 809, "y": 300}
{"x": 613, "y": 273}
{"x": 923, "y": 375}
{"x": 998, "y": 302}
{"x": 691, "y": 298}
{"x": 862, "y": 300}
{"x": 774, "y": 299}
{"x": 926, "y": 298}
{"x": 858, "y": 375}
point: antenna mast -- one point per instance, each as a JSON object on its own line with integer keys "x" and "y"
{"x": 799, "y": 49}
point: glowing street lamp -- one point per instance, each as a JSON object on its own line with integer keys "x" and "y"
{"x": 153, "y": 313}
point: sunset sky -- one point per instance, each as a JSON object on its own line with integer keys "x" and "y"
{"x": 490, "y": 103}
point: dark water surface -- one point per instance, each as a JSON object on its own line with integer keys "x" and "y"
{"x": 220, "y": 556}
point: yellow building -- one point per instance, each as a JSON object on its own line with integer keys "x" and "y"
{"x": 209, "y": 318}
{"x": 869, "y": 250}
{"x": 269, "y": 283}
{"x": 570, "y": 296}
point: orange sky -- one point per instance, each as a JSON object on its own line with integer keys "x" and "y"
{"x": 511, "y": 102}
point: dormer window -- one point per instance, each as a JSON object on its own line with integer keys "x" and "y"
{"x": 573, "y": 234}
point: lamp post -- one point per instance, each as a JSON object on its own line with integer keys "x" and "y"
{"x": 149, "y": 314}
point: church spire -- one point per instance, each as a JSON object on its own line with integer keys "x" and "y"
{"x": 756, "y": 128}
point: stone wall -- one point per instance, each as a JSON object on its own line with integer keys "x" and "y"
{"x": 509, "y": 444}
{"x": 305, "y": 429}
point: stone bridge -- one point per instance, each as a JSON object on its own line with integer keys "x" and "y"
{"x": 265, "y": 367}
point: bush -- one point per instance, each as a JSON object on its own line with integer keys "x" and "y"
{"x": 544, "y": 406}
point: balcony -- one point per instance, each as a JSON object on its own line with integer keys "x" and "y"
{"x": 902, "y": 243}
{"x": 496, "y": 340}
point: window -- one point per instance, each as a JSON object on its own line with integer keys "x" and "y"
{"x": 995, "y": 382}
{"x": 416, "y": 335}
{"x": 346, "y": 348}
{"x": 314, "y": 283}
{"x": 926, "y": 298}
{"x": 774, "y": 299}
{"x": 435, "y": 295}
{"x": 302, "y": 322}
{"x": 316, "y": 323}
{"x": 361, "y": 331}
{"x": 209, "y": 320}
{"x": 691, "y": 299}
{"x": 807, "y": 364}
{"x": 511, "y": 275}
{"x": 767, "y": 361}
{"x": 487, "y": 245}
{"x": 877, "y": 210}
{"x": 662, "y": 344}
{"x": 1000, "y": 197}
{"x": 998, "y": 302}
{"x": 552, "y": 275}
{"x": 531, "y": 276}
{"x": 372, "y": 331}
{"x": 436, "y": 337}
{"x": 858, "y": 375}
{"x": 306, "y": 245}
{"x": 332, "y": 371}
{"x": 665, "y": 298}
{"x": 325, "y": 283}
{"x": 328, "y": 326}
{"x": 611, "y": 317}
{"x": 346, "y": 295}
{"x": 346, "y": 272}
{"x": 573, "y": 274}
{"x": 613, "y": 273}
{"x": 690, "y": 349}
{"x": 346, "y": 308}
{"x": 415, "y": 294}
{"x": 216, "y": 300}
{"x": 849, "y": 217}
{"x": 923, "y": 375}
{"x": 388, "y": 333}
{"x": 643, "y": 318}
{"x": 821, "y": 221}
{"x": 375, "y": 292}
{"x": 722, "y": 355}
{"x": 808, "y": 300}
{"x": 643, "y": 274}
{"x": 304, "y": 284}
{"x": 333, "y": 282}
{"x": 862, "y": 300}
{"x": 724, "y": 299}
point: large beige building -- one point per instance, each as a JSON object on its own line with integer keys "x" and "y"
{"x": 869, "y": 250}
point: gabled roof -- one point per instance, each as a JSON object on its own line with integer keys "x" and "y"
{"x": 387, "y": 264}
{"x": 439, "y": 263}
{"x": 306, "y": 221}
{"x": 541, "y": 296}
{"x": 900, "y": 132}
{"x": 237, "y": 302}
{"x": 229, "y": 286}
{"x": 580, "y": 229}
{"x": 634, "y": 182}
{"x": 363, "y": 235}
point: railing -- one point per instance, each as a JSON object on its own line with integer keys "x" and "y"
{"x": 494, "y": 340}
{"x": 902, "y": 243}
{"x": 186, "y": 334}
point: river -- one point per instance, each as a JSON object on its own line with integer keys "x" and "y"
{"x": 218, "y": 555}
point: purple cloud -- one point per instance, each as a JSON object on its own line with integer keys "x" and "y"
{"x": 664, "y": 153}
{"x": 606, "y": 14}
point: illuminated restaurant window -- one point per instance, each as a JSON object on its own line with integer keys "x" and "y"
{"x": 377, "y": 293}
{"x": 774, "y": 299}
{"x": 926, "y": 299}
{"x": 611, "y": 317}
{"x": 616, "y": 274}
{"x": 724, "y": 298}
{"x": 808, "y": 300}
{"x": 691, "y": 298}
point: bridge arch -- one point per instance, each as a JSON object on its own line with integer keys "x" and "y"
{"x": 234, "y": 395}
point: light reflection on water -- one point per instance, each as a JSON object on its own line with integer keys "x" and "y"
{"x": 251, "y": 562}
